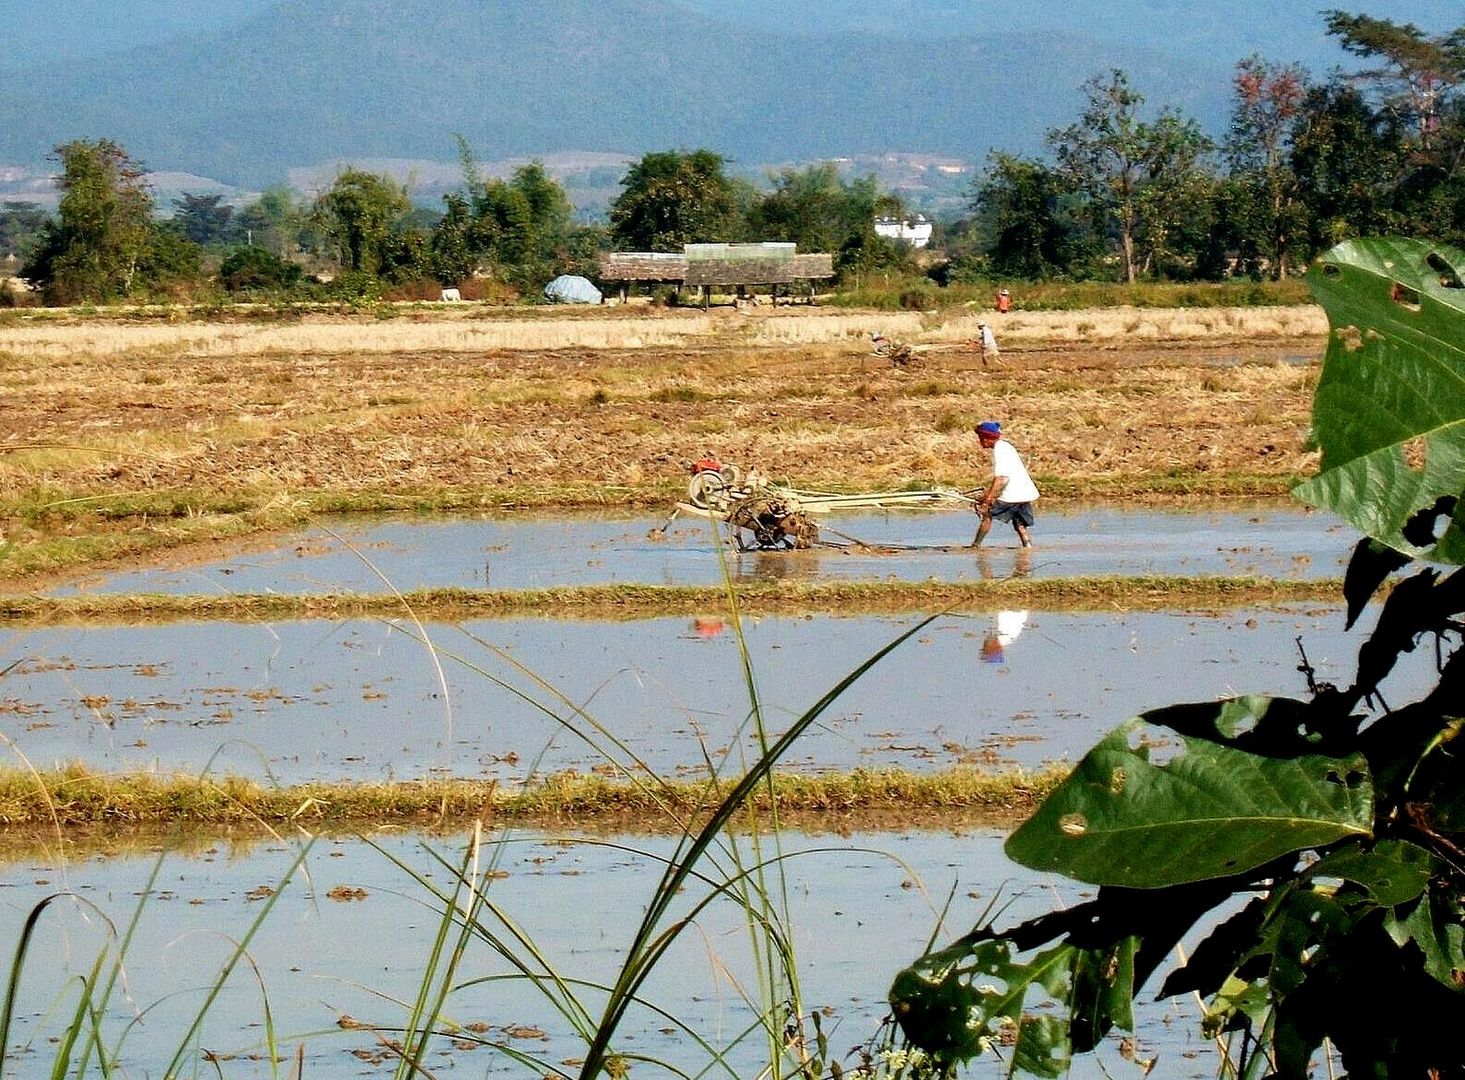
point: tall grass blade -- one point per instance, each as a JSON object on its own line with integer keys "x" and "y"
{"x": 636, "y": 968}
{"x": 240, "y": 949}
{"x": 536, "y": 969}
{"x": 61, "y": 1063}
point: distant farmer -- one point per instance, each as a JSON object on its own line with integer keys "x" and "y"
{"x": 1004, "y": 301}
{"x": 986, "y": 344}
{"x": 1010, "y": 493}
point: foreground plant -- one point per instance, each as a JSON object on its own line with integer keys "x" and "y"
{"x": 1321, "y": 841}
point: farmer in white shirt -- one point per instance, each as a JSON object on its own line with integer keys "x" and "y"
{"x": 1011, "y": 493}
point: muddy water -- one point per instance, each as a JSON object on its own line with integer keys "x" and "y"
{"x": 539, "y": 551}
{"x": 861, "y": 907}
{"x": 501, "y": 698}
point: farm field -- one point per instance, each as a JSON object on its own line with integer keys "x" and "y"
{"x": 229, "y": 451}
{"x": 124, "y": 437}
{"x": 299, "y": 612}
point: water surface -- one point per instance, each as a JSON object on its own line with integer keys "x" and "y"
{"x": 350, "y": 936}
{"x": 540, "y": 551}
{"x": 506, "y": 698}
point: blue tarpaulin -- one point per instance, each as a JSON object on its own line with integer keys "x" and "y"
{"x": 571, "y": 289}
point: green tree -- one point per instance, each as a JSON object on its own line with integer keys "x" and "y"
{"x": 1027, "y": 210}
{"x": 1347, "y": 158}
{"x": 517, "y": 229}
{"x": 205, "y": 219}
{"x": 359, "y": 214}
{"x": 550, "y": 212}
{"x": 452, "y": 255}
{"x": 1318, "y": 842}
{"x": 867, "y": 252}
{"x": 103, "y": 227}
{"x": 1136, "y": 176}
{"x": 170, "y": 263}
{"x": 504, "y": 225}
{"x": 1175, "y": 199}
{"x": 256, "y": 268}
{"x": 583, "y": 248}
{"x": 814, "y": 208}
{"x": 278, "y": 221}
{"x": 21, "y": 226}
{"x": 670, "y": 199}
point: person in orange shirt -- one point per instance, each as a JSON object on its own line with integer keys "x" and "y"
{"x": 1004, "y": 301}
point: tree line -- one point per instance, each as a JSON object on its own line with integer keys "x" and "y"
{"x": 1304, "y": 164}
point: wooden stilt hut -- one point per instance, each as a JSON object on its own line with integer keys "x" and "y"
{"x": 729, "y": 267}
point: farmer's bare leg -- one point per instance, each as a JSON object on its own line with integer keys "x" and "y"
{"x": 982, "y": 530}
{"x": 1022, "y": 535}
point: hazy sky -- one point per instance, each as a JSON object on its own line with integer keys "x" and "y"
{"x": 38, "y": 33}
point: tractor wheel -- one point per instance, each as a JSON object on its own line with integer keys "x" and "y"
{"x": 706, "y": 488}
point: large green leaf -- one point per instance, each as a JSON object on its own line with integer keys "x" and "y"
{"x": 1389, "y": 412}
{"x": 1210, "y": 811}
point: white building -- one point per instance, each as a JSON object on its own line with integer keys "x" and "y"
{"x": 916, "y": 233}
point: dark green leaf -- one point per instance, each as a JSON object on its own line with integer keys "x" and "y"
{"x": 1305, "y": 921}
{"x": 1436, "y": 783}
{"x": 1103, "y": 993}
{"x": 1258, "y": 724}
{"x": 1218, "y": 955}
{"x": 1212, "y": 811}
{"x": 1371, "y": 563}
{"x": 1437, "y": 927}
{"x": 955, "y": 1003}
{"x": 1042, "y": 1047}
{"x": 1389, "y": 412}
{"x": 1239, "y": 1004}
{"x": 1393, "y": 871}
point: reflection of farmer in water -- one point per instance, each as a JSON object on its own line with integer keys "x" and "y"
{"x": 1008, "y": 625}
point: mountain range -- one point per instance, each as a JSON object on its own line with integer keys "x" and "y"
{"x": 260, "y": 87}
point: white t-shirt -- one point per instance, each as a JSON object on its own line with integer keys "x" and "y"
{"x": 1005, "y": 462}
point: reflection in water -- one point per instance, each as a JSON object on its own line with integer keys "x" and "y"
{"x": 759, "y": 566}
{"x": 361, "y": 700}
{"x": 993, "y": 562}
{"x": 1006, "y": 627}
{"x": 708, "y": 627}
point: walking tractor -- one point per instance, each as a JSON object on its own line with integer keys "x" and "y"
{"x": 764, "y": 516}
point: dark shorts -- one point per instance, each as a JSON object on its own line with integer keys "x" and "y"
{"x": 1015, "y": 513}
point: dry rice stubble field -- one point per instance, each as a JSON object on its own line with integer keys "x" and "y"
{"x": 1103, "y": 405}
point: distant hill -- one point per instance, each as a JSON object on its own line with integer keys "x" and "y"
{"x": 308, "y": 81}
{"x": 1185, "y": 29}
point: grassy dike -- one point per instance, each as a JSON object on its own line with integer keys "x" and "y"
{"x": 88, "y": 810}
{"x": 621, "y": 601}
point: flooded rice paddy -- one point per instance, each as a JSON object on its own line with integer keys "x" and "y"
{"x": 513, "y": 698}
{"x": 350, "y": 934}
{"x": 534, "y": 551}
{"x": 510, "y": 698}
